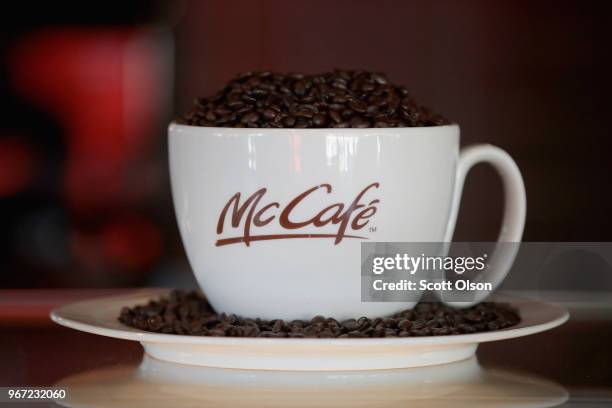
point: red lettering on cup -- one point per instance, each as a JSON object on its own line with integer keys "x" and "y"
{"x": 352, "y": 217}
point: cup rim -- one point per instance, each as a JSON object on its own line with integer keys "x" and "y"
{"x": 175, "y": 124}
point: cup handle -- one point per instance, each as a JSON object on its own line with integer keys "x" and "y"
{"x": 513, "y": 221}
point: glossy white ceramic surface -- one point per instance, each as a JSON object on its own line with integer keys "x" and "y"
{"x": 99, "y": 316}
{"x": 346, "y": 186}
{"x": 156, "y": 383}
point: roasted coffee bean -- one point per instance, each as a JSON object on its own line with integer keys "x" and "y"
{"x": 358, "y": 122}
{"x": 278, "y": 326}
{"x": 342, "y": 98}
{"x": 319, "y": 120}
{"x": 404, "y": 324}
{"x": 210, "y": 116}
{"x": 342, "y": 125}
{"x": 190, "y": 314}
{"x": 289, "y": 121}
{"x": 339, "y": 83}
{"x": 335, "y": 116}
{"x": 259, "y": 93}
{"x": 350, "y": 324}
{"x": 317, "y": 319}
{"x": 235, "y": 104}
{"x": 390, "y": 333}
{"x": 418, "y": 324}
{"x": 466, "y": 328}
{"x": 303, "y": 123}
{"x": 250, "y": 331}
{"x": 432, "y": 323}
{"x": 297, "y": 324}
{"x": 221, "y": 111}
{"x": 299, "y": 88}
{"x": 155, "y": 322}
{"x": 325, "y": 334}
{"x": 269, "y": 114}
{"x": 311, "y": 331}
{"x": 379, "y": 78}
{"x": 347, "y": 114}
{"x": 250, "y": 117}
{"x": 378, "y": 332}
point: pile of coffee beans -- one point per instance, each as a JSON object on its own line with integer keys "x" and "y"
{"x": 189, "y": 313}
{"x": 338, "y": 99}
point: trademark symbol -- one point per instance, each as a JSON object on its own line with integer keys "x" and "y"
{"x": 372, "y": 229}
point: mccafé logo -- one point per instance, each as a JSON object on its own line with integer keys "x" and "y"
{"x": 256, "y": 212}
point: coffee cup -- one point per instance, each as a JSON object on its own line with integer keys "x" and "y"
{"x": 272, "y": 219}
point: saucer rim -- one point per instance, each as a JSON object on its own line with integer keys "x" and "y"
{"x": 64, "y": 316}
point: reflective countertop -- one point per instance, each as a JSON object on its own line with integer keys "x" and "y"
{"x": 567, "y": 366}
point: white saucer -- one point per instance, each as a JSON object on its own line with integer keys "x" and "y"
{"x": 155, "y": 383}
{"x": 99, "y": 316}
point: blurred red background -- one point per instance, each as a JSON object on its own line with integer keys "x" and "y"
{"x": 87, "y": 92}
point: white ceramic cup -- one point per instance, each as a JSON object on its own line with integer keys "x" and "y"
{"x": 272, "y": 219}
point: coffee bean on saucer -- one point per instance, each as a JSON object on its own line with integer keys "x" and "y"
{"x": 350, "y": 325}
{"x": 404, "y": 324}
{"x": 277, "y": 326}
{"x": 188, "y": 313}
{"x": 317, "y": 319}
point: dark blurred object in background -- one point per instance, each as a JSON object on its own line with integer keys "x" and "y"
{"x": 84, "y": 188}
{"x": 87, "y": 93}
